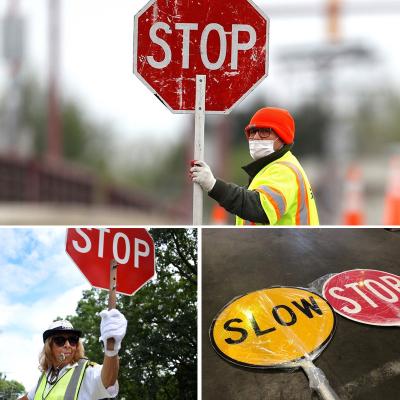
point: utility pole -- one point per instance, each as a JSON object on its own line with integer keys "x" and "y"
{"x": 54, "y": 134}
{"x": 333, "y": 11}
{"x": 13, "y": 51}
{"x": 324, "y": 60}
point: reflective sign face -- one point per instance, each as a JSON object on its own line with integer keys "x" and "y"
{"x": 176, "y": 40}
{"x": 365, "y": 295}
{"x": 92, "y": 250}
{"x": 273, "y": 327}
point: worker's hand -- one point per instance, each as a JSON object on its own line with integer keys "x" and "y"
{"x": 201, "y": 174}
{"x": 113, "y": 325}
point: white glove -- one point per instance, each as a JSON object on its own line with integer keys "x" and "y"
{"x": 113, "y": 325}
{"x": 201, "y": 174}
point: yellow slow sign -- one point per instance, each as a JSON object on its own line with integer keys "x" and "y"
{"x": 273, "y": 327}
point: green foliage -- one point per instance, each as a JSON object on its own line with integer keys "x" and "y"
{"x": 158, "y": 357}
{"x": 82, "y": 140}
{"x": 377, "y": 122}
{"x": 166, "y": 172}
{"x": 10, "y": 390}
{"x": 34, "y": 113}
{"x": 312, "y": 121}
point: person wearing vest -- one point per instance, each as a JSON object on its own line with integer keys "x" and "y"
{"x": 279, "y": 192}
{"x": 67, "y": 374}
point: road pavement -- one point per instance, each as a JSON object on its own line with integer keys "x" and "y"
{"x": 76, "y": 214}
{"x": 362, "y": 362}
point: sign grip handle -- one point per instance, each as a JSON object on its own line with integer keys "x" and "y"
{"x": 318, "y": 381}
{"x": 112, "y": 297}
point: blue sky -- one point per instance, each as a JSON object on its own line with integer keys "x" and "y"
{"x": 38, "y": 282}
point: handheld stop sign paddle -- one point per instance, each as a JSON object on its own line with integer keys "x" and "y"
{"x": 279, "y": 327}
{"x": 367, "y": 296}
{"x": 200, "y": 57}
{"x": 116, "y": 259}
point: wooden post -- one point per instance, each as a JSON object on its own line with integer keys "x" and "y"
{"x": 112, "y": 297}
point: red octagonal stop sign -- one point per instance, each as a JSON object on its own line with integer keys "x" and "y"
{"x": 225, "y": 40}
{"x": 92, "y": 250}
{"x": 365, "y": 295}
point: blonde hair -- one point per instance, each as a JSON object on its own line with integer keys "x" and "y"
{"x": 47, "y": 360}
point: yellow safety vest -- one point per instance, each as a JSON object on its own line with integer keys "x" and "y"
{"x": 67, "y": 387}
{"x": 285, "y": 193}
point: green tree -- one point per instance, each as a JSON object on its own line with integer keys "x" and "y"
{"x": 159, "y": 353}
{"x": 377, "y": 121}
{"x": 10, "y": 390}
{"x": 83, "y": 140}
{"x": 312, "y": 121}
{"x": 167, "y": 171}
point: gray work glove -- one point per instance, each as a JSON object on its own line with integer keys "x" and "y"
{"x": 201, "y": 174}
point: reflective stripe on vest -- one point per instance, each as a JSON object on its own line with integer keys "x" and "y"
{"x": 67, "y": 387}
{"x": 290, "y": 181}
{"x": 302, "y": 212}
{"x": 75, "y": 382}
{"x": 240, "y": 221}
{"x": 276, "y": 198}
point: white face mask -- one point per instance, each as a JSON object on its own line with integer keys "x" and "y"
{"x": 261, "y": 148}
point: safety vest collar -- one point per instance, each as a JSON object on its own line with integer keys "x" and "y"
{"x": 256, "y": 166}
{"x": 67, "y": 386}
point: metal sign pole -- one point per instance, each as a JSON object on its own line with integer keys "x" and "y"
{"x": 112, "y": 297}
{"x": 199, "y": 145}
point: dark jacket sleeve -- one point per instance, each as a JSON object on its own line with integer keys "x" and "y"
{"x": 239, "y": 201}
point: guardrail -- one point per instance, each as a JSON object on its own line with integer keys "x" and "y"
{"x": 33, "y": 181}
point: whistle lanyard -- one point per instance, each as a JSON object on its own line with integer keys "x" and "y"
{"x": 51, "y": 383}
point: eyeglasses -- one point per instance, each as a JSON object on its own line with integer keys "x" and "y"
{"x": 60, "y": 340}
{"x": 263, "y": 133}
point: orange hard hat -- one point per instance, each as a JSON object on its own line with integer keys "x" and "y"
{"x": 278, "y": 119}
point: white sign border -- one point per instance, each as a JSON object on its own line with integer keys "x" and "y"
{"x": 153, "y": 277}
{"x": 136, "y": 73}
{"x": 296, "y": 363}
{"x": 345, "y": 315}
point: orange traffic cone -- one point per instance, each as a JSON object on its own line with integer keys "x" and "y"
{"x": 391, "y": 214}
{"x": 219, "y": 216}
{"x": 353, "y": 198}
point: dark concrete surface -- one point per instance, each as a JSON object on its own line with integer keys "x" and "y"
{"x": 362, "y": 362}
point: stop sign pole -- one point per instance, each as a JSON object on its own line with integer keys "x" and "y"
{"x": 199, "y": 145}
